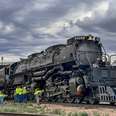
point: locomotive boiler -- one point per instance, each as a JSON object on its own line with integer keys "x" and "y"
{"x": 73, "y": 72}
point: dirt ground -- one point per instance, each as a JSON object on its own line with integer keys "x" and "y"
{"x": 91, "y": 110}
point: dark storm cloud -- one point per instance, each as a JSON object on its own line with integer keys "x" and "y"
{"x": 25, "y": 24}
{"x": 101, "y": 25}
{"x": 98, "y": 23}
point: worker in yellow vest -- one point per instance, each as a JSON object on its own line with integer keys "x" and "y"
{"x": 18, "y": 94}
{"x": 24, "y": 92}
{"x": 18, "y": 90}
{"x": 38, "y": 93}
{"x": 2, "y": 96}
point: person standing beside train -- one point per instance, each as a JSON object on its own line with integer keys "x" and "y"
{"x": 18, "y": 94}
{"x": 2, "y": 96}
{"x": 24, "y": 94}
{"x": 38, "y": 94}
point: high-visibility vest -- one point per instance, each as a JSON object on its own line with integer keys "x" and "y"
{"x": 21, "y": 91}
{"x": 2, "y": 94}
{"x": 38, "y": 91}
{"x": 18, "y": 91}
{"x": 24, "y": 91}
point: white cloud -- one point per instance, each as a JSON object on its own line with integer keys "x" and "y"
{"x": 10, "y": 58}
{"x": 6, "y": 28}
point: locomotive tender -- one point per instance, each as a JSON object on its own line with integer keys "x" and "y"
{"x": 74, "y": 72}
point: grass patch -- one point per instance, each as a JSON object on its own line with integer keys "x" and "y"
{"x": 78, "y": 114}
{"x": 24, "y": 108}
{"x": 83, "y": 114}
{"x": 58, "y": 112}
{"x": 96, "y": 114}
{"x": 20, "y": 108}
{"x": 35, "y": 109}
{"x": 8, "y": 110}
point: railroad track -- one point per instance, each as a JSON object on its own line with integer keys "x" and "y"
{"x": 86, "y": 106}
{"x": 18, "y": 114}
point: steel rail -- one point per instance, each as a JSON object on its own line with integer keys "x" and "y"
{"x": 88, "y": 106}
{"x": 21, "y": 114}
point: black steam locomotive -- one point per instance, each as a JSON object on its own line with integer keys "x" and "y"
{"x": 74, "y": 72}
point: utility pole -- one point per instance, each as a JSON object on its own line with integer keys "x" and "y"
{"x": 2, "y": 60}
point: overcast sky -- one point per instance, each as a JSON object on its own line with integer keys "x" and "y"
{"x": 28, "y": 26}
